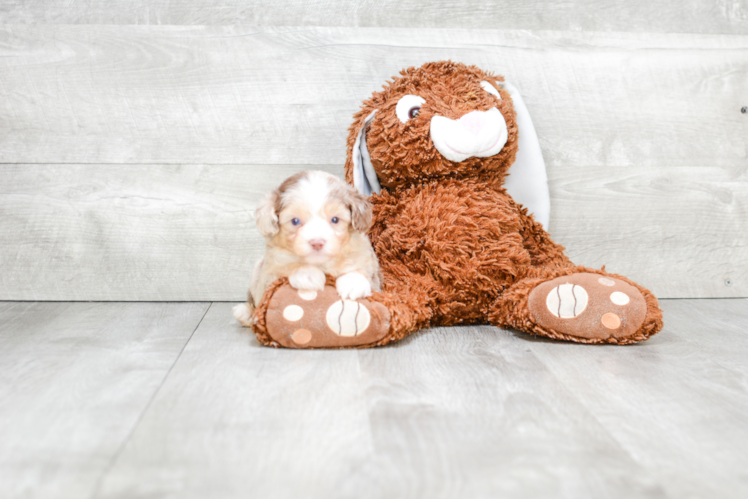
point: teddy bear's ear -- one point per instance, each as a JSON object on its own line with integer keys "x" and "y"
{"x": 365, "y": 178}
{"x": 527, "y": 181}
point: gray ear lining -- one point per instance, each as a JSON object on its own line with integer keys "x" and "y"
{"x": 365, "y": 179}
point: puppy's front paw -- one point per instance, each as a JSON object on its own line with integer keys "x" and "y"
{"x": 353, "y": 286}
{"x": 243, "y": 314}
{"x": 308, "y": 278}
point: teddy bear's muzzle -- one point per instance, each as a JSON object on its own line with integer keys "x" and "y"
{"x": 477, "y": 133}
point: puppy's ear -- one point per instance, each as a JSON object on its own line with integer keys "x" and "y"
{"x": 267, "y": 215}
{"x": 361, "y": 212}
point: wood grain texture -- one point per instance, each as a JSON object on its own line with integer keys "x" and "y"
{"x": 75, "y": 378}
{"x": 239, "y": 95}
{"x": 680, "y": 231}
{"x": 642, "y": 134}
{"x": 166, "y": 232}
{"x": 451, "y": 412}
{"x": 470, "y": 412}
{"x": 689, "y": 16}
{"x": 238, "y": 419}
{"x": 679, "y": 402}
{"x": 131, "y": 232}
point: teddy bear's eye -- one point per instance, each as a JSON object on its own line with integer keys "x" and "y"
{"x": 490, "y": 89}
{"x": 334, "y": 220}
{"x": 408, "y": 107}
{"x": 295, "y": 221}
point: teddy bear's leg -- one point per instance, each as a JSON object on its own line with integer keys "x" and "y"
{"x": 581, "y": 305}
{"x": 287, "y": 317}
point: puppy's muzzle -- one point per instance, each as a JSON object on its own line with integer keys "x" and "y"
{"x": 317, "y": 244}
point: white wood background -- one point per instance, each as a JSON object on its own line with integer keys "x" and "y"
{"x": 136, "y": 139}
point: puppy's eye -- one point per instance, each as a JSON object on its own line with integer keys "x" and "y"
{"x": 295, "y": 221}
{"x": 408, "y": 107}
{"x": 334, "y": 220}
{"x": 490, "y": 89}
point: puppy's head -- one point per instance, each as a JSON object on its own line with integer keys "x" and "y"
{"x": 313, "y": 215}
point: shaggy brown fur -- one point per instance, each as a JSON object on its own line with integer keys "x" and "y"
{"x": 454, "y": 247}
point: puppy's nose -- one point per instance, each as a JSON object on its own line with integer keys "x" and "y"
{"x": 317, "y": 244}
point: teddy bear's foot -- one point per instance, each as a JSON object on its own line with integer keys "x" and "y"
{"x": 302, "y": 319}
{"x": 591, "y": 307}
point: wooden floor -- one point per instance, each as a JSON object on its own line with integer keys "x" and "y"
{"x": 174, "y": 399}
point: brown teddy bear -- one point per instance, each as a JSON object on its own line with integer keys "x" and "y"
{"x": 433, "y": 148}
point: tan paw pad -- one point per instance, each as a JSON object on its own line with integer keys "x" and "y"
{"x": 301, "y": 319}
{"x": 611, "y": 321}
{"x": 302, "y": 336}
{"x": 587, "y": 305}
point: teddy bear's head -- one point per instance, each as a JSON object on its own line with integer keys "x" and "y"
{"x": 443, "y": 119}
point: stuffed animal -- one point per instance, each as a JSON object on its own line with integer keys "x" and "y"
{"x": 433, "y": 150}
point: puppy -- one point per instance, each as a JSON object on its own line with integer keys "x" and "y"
{"x": 314, "y": 224}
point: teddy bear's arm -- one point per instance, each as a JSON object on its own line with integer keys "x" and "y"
{"x": 538, "y": 243}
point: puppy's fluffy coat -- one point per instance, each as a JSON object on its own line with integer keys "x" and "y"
{"x": 314, "y": 224}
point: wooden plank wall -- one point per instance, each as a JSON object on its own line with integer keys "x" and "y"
{"x": 136, "y": 139}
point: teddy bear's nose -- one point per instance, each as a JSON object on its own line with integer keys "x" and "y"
{"x": 473, "y": 121}
{"x": 477, "y": 133}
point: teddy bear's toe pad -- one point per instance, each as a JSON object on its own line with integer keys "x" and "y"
{"x": 300, "y": 319}
{"x": 588, "y": 305}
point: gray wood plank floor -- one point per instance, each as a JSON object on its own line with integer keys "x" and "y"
{"x": 166, "y": 399}
{"x": 74, "y": 380}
